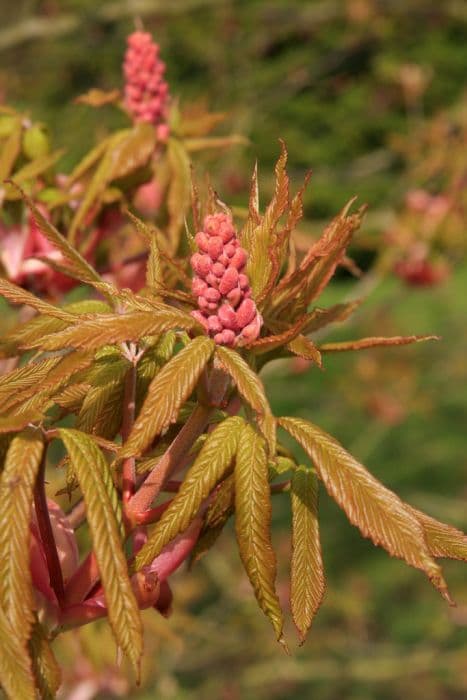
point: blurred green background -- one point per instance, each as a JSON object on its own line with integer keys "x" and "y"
{"x": 331, "y": 79}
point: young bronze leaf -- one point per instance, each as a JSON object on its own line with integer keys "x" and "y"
{"x": 10, "y": 150}
{"x": 379, "y": 514}
{"x": 16, "y": 677}
{"x": 261, "y": 239}
{"x": 444, "y": 541}
{"x": 17, "y": 295}
{"x": 365, "y": 343}
{"x": 307, "y": 575}
{"x": 105, "y": 329}
{"x": 253, "y": 523}
{"x": 93, "y": 475}
{"x": 249, "y": 386}
{"x": 304, "y": 347}
{"x": 179, "y": 194}
{"x": 16, "y": 496}
{"x": 22, "y": 378}
{"x": 169, "y": 389}
{"x": 13, "y": 423}
{"x": 319, "y": 318}
{"x": 101, "y": 411}
{"x": 63, "y": 368}
{"x": 44, "y": 664}
{"x": 208, "y": 469}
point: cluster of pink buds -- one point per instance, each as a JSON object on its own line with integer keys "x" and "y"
{"x": 225, "y": 306}
{"x": 146, "y": 91}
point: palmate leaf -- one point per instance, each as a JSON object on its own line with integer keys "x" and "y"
{"x": 16, "y": 677}
{"x": 17, "y": 295}
{"x": 219, "y": 511}
{"x": 44, "y": 664}
{"x": 251, "y": 389}
{"x": 13, "y": 423}
{"x": 169, "y": 389}
{"x": 444, "y": 541}
{"x": 58, "y": 375}
{"x": 253, "y": 522}
{"x": 211, "y": 465}
{"x": 125, "y": 151}
{"x": 365, "y": 343}
{"x": 16, "y": 495}
{"x": 101, "y": 410}
{"x": 23, "y": 378}
{"x": 307, "y": 575}
{"x": 105, "y": 329}
{"x": 179, "y": 193}
{"x": 305, "y": 348}
{"x": 259, "y": 240}
{"x": 298, "y": 289}
{"x": 94, "y": 477}
{"x": 379, "y": 514}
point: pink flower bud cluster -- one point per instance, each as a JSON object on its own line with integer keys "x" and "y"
{"x": 146, "y": 91}
{"x": 225, "y": 307}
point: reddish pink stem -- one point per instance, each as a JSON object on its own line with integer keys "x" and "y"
{"x": 47, "y": 535}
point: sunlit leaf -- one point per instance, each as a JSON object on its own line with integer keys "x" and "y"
{"x": 16, "y": 496}
{"x": 10, "y": 151}
{"x": 170, "y": 388}
{"x": 444, "y": 541}
{"x": 365, "y": 343}
{"x": 93, "y": 474}
{"x": 105, "y": 329}
{"x": 17, "y": 295}
{"x": 98, "y": 98}
{"x": 379, "y": 514}
{"x": 253, "y": 522}
{"x": 209, "y": 468}
{"x": 16, "y": 676}
{"x": 307, "y": 575}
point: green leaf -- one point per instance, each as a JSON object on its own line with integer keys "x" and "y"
{"x": 45, "y": 667}
{"x": 16, "y": 676}
{"x": 22, "y": 378}
{"x": 209, "y": 468}
{"x": 31, "y": 171}
{"x": 16, "y": 496}
{"x": 94, "y": 477}
{"x": 379, "y": 514}
{"x": 105, "y": 329}
{"x": 169, "y": 389}
{"x": 307, "y": 575}
{"x": 304, "y": 347}
{"x": 253, "y": 523}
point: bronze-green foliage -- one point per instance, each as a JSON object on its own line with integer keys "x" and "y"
{"x": 153, "y": 439}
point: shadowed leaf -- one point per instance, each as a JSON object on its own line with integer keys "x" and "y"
{"x": 44, "y": 664}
